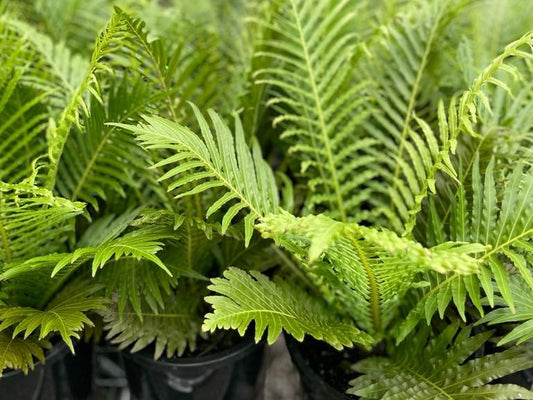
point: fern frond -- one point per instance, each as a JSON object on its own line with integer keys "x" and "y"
{"x": 18, "y": 353}
{"x": 319, "y": 108}
{"x": 172, "y": 330}
{"x": 421, "y": 369}
{"x": 103, "y": 158}
{"x": 139, "y": 244}
{"x": 22, "y": 110}
{"x": 500, "y": 218}
{"x": 65, "y": 315}
{"x": 365, "y": 269}
{"x": 213, "y": 161}
{"x": 522, "y": 315}
{"x": 246, "y": 297}
{"x": 111, "y": 37}
{"x": 29, "y": 216}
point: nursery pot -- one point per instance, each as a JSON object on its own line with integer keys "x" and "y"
{"x": 63, "y": 376}
{"x": 231, "y": 374}
{"x": 313, "y": 359}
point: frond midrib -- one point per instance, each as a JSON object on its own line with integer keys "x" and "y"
{"x": 222, "y": 179}
{"x": 412, "y": 99}
{"x": 320, "y": 114}
{"x": 374, "y": 289}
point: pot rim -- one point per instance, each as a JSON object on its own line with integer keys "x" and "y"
{"x": 235, "y": 353}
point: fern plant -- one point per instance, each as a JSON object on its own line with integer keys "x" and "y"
{"x": 391, "y": 171}
{"x": 80, "y": 205}
{"x": 422, "y": 181}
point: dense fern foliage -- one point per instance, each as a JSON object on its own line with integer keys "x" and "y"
{"x": 356, "y": 171}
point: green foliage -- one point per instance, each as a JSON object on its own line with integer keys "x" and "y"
{"x": 366, "y": 270}
{"x": 29, "y": 216}
{"x": 442, "y": 368}
{"x": 171, "y": 331}
{"x": 18, "y": 353}
{"x": 309, "y": 73}
{"x": 522, "y": 315}
{"x": 275, "y": 306}
{"x": 216, "y": 161}
{"x": 65, "y": 315}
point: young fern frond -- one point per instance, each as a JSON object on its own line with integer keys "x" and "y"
{"x": 439, "y": 368}
{"x": 319, "y": 108}
{"x": 366, "y": 270}
{"x": 246, "y": 297}
{"x": 213, "y": 161}
{"x": 415, "y": 153}
{"x": 112, "y": 36}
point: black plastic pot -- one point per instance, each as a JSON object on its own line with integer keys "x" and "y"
{"x": 232, "y": 374}
{"x": 314, "y": 384}
{"x": 63, "y": 376}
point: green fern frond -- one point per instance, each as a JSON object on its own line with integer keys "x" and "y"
{"x": 29, "y": 216}
{"x": 366, "y": 269}
{"x": 55, "y": 70}
{"x": 65, "y": 315}
{"x": 213, "y": 161}
{"x": 320, "y": 109}
{"x": 188, "y": 254}
{"x": 500, "y": 217}
{"x": 103, "y": 158}
{"x": 522, "y": 315}
{"x": 22, "y": 110}
{"x": 439, "y": 368}
{"x": 140, "y": 244}
{"x": 188, "y": 70}
{"x": 172, "y": 330}
{"x": 18, "y": 353}
{"x": 246, "y": 297}
{"x": 111, "y": 37}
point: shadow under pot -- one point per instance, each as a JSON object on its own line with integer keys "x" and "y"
{"x": 231, "y": 374}
{"x": 324, "y": 371}
{"x": 63, "y": 376}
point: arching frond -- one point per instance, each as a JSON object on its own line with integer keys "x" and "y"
{"x": 275, "y": 306}
{"x": 111, "y": 37}
{"x": 501, "y": 218}
{"x": 440, "y": 368}
{"x": 212, "y": 161}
